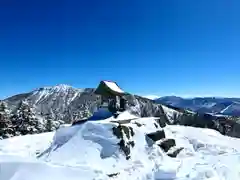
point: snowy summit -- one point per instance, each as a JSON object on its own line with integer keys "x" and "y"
{"x": 132, "y": 141}
{"x": 136, "y": 149}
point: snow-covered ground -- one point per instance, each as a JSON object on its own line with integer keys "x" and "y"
{"x": 91, "y": 151}
{"x": 26, "y": 146}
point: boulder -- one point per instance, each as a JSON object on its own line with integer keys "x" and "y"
{"x": 175, "y": 152}
{"x": 161, "y": 122}
{"x": 158, "y": 135}
{"x": 167, "y": 144}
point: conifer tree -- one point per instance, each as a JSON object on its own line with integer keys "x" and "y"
{"x": 25, "y": 120}
{"x": 49, "y": 125}
{"x": 6, "y": 128}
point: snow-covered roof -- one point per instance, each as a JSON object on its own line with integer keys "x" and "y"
{"x": 113, "y": 86}
{"x": 109, "y": 88}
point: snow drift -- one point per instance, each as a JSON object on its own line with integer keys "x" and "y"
{"x": 121, "y": 150}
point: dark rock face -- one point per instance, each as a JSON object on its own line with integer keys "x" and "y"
{"x": 120, "y": 130}
{"x": 167, "y": 144}
{"x": 158, "y": 135}
{"x": 138, "y": 124}
{"x": 124, "y": 144}
{"x": 163, "y": 142}
{"x": 113, "y": 175}
{"x": 175, "y": 152}
{"x": 161, "y": 122}
{"x": 197, "y": 120}
{"x": 225, "y": 125}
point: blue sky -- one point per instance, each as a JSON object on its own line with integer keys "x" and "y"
{"x": 160, "y": 47}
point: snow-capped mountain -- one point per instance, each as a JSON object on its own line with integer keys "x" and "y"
{"x": 224, "y": 106}
{"x": 63, "y": 102}
{"x": 137, "y": 149}
{"x": 59, "y": 101}
{"x": 52, "y": 106}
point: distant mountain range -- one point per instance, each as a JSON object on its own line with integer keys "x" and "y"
{"x": 68, "y": 103}
{"x": 213, "y": 105}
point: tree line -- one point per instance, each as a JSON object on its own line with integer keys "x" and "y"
{"x": 23, "y": 121}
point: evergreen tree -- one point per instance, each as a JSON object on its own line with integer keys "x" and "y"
{"x": 85, "y": 113}
{"x": 6, "y": 128}
{"x": 49, "y": 125}
{"x": 25, "y": 120}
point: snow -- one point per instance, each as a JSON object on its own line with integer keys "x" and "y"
{"x": 91, "y": 151}
{"x": 26, "y": 146}
{"x": 62, "y": 87}
{"x": 123, "y": 116}
{"x": 74, "y": 97}
{"x": 15, "y": 168}
{"x": 225, "y": 109}
{"x": 59, "y": 87}
{"x": 152, "y": 97}
{"x": 207, "y": 154}
{"x": 113, "y": 86}
{"x": 42, "y": 93}
{"x": 171, "y": 113}
{"x": 234, "y": 107}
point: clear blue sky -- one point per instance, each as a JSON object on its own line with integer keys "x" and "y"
{"x": 159, "y": 47}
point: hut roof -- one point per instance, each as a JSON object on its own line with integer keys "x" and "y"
{"x": 109, "y": 88}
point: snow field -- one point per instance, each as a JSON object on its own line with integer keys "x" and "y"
{"x": 91, "y": 151}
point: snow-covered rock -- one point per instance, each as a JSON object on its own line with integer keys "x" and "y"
{"x": 108, "y": 149}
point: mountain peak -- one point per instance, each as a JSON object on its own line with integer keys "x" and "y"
{"x": 58, "y": 87}
{"x": 62, "y": 86}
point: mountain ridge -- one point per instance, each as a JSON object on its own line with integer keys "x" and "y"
{"x": 214, "y": 105}
{"x": 63, "y": 98}
{"x": 73, "y": 96}
{"x": 64, "y": 104}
